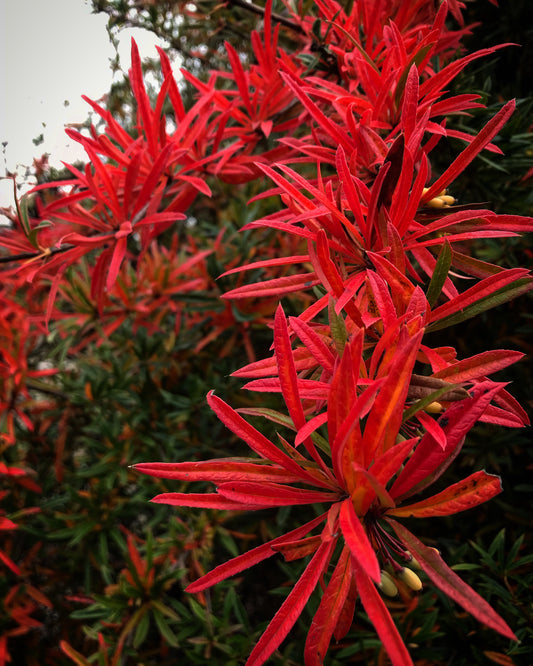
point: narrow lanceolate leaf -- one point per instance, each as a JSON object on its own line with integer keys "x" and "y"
{"x": 380, "y": 617}
{"x": 475, "y": 489}
{"x": 386, "y": 415}
{"x": 429, "y": 459}
{"x": 258, "y": 442}
{"x": 314, "y": 343}
{"x": 450, "y": 583}
{"x": 481, "y": 365}
{"x": 440, "y": 273}
{"x": 474, "y": 148}
{"x": 286, "y": 370}
{"x": 216, "y": 471}
{"x": 205, "y": 501}
{"x": 295, "y": 550}
{"x": 329, "y": 610}
{"x": 357, "y": 541}
{"x": 76, "y": 657}
{"x": 488, "y": 293}
{"x": 288, "y": 614}
{"x": 251, "y": 558}
{"x": 428, "y": 399}
{"x": 272, "y": 494}
{"x": 283, "y": 285}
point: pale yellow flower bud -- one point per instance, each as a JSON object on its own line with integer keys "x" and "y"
{"x": 387, "y": 585}
{"x": 448, "y": 200}
{"x": 437, "y": 202}
{"x": 442, "y": 200}
{"x": 410, "y": 579}
{"x": 413, "y": 562}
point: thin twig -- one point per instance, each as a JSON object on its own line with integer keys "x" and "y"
{"x": 260, "y": 11}
{"x": 34, "y": 255}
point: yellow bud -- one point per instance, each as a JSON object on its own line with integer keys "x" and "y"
{"x": 410, "y": 579}
{"x": 434, "y": 408}
{"x": 413, "y": 562}
{"x": 387, "y": 585}
{"x": 437, "y": 202}
{"x": 448, "y": 200}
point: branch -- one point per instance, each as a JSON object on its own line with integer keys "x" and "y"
{"x": 260, "y": 11}
{"x": 33, "y": 255}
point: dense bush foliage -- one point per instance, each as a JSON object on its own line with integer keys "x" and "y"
{"x": 299, "y": 211}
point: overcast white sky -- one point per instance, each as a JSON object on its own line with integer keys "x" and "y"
{"x": 52, "y": 52}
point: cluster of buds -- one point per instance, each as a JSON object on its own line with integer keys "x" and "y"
{"x": 442, "y": 200}
{"x": 394, "y": 572}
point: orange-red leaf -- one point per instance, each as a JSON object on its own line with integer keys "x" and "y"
{"x": 475, "y": 489}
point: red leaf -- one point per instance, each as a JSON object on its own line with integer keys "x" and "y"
{"x": 469, "y": 153}
{"x": 288, "y": 614}
{"x": 329, "y": 611}
{"x": 314, "y": 343}
{"x": 273, "y": 494}
{"x": 429, "y": 459}
{"x": 286, "y": 370}
{"x": 483, "y": 289}
{"x": 479, "y": 366}
{"x": 385, "y": 417}
{"x": 251, "y": 558}
{"x": 276, "y": 287}
{"x": 295, "y": 550}
{"x": 475, "y": 489}
{"x": 410, "y": 103}
{"x": 357, "y": 540}
{"x": 450, "y": 583}
{"x": 216, "y": 471}
{"x": 334, "y": 131}
{"x": 205, "y": 501}
{"x": 380, "y": 617}
{"x": 258, "y": 442}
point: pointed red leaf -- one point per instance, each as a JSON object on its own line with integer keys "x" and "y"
{"x": 258, "y": 442}
{"x": 295, "y": 550}
{"x": 314, "y": 343}
{"x": 478, "y": 366}
{"x": 469, "y": 153}
{"x": 475, "y": 489}
{"x": 216, "y": 471}
{"x": 251, "y": 558}
{"x": 204, "y": 501}
{"x": 329, "y": 611}
{"x": 450, "y": 583}
{"x": 380, "y": 617}
{"x": 276, "y": 287}
{"x": 288, "y": 614}
{"x": 429, "y": 459}
{"x": 357, "y": 541}
{"x": 272, "y": 494}
{"x": 286, "y": 370}
{"x": 385, "y": 417}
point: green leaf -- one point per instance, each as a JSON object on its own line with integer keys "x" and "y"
{"x": 440, "y": 273}
{"x": 164, "y": 629}
{"x": 427, "y": 400}
{"x": 500, "y": 296}
{"x": 141, "y": 631}
{"x": 337, "y": 327}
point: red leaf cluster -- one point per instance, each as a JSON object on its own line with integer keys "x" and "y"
{"x": 343, "y": 130}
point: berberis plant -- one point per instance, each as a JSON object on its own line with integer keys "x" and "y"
{"x": 332, "y": 126}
